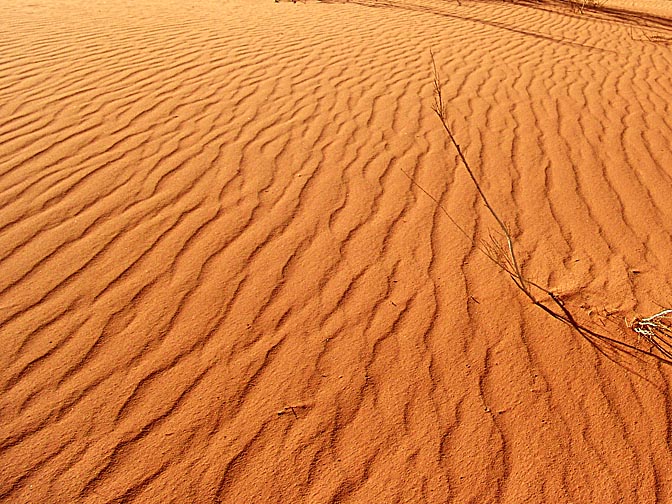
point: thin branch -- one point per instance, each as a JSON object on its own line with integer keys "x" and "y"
{"x": 656, "y": 329}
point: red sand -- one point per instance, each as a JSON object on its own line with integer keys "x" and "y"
{"x": 218, "y": 285}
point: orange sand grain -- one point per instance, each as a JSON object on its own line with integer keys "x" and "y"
{"x": 217, "y": 284}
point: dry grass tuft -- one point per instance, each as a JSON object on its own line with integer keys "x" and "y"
{"x": 656, "y": 329}
{"x": 583, "y": 5}
{"x": 500, "y": 249}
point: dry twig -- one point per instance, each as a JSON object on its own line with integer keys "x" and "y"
{"x": 504, "y": 256}
{"x": 653, "y": 38}
{"x": 656, "y": 329}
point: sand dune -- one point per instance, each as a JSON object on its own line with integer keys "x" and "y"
{"x": 219, "y": 284}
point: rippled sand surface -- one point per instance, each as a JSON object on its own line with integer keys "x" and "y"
{"x": 222, "y": 278}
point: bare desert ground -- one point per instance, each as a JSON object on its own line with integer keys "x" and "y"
{"x": 226, "y": 273}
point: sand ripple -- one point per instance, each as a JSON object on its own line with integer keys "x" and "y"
{"x": 218, "y": 284}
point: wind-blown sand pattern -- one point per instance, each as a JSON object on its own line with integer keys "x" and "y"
{"x": 218, "y": 283}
